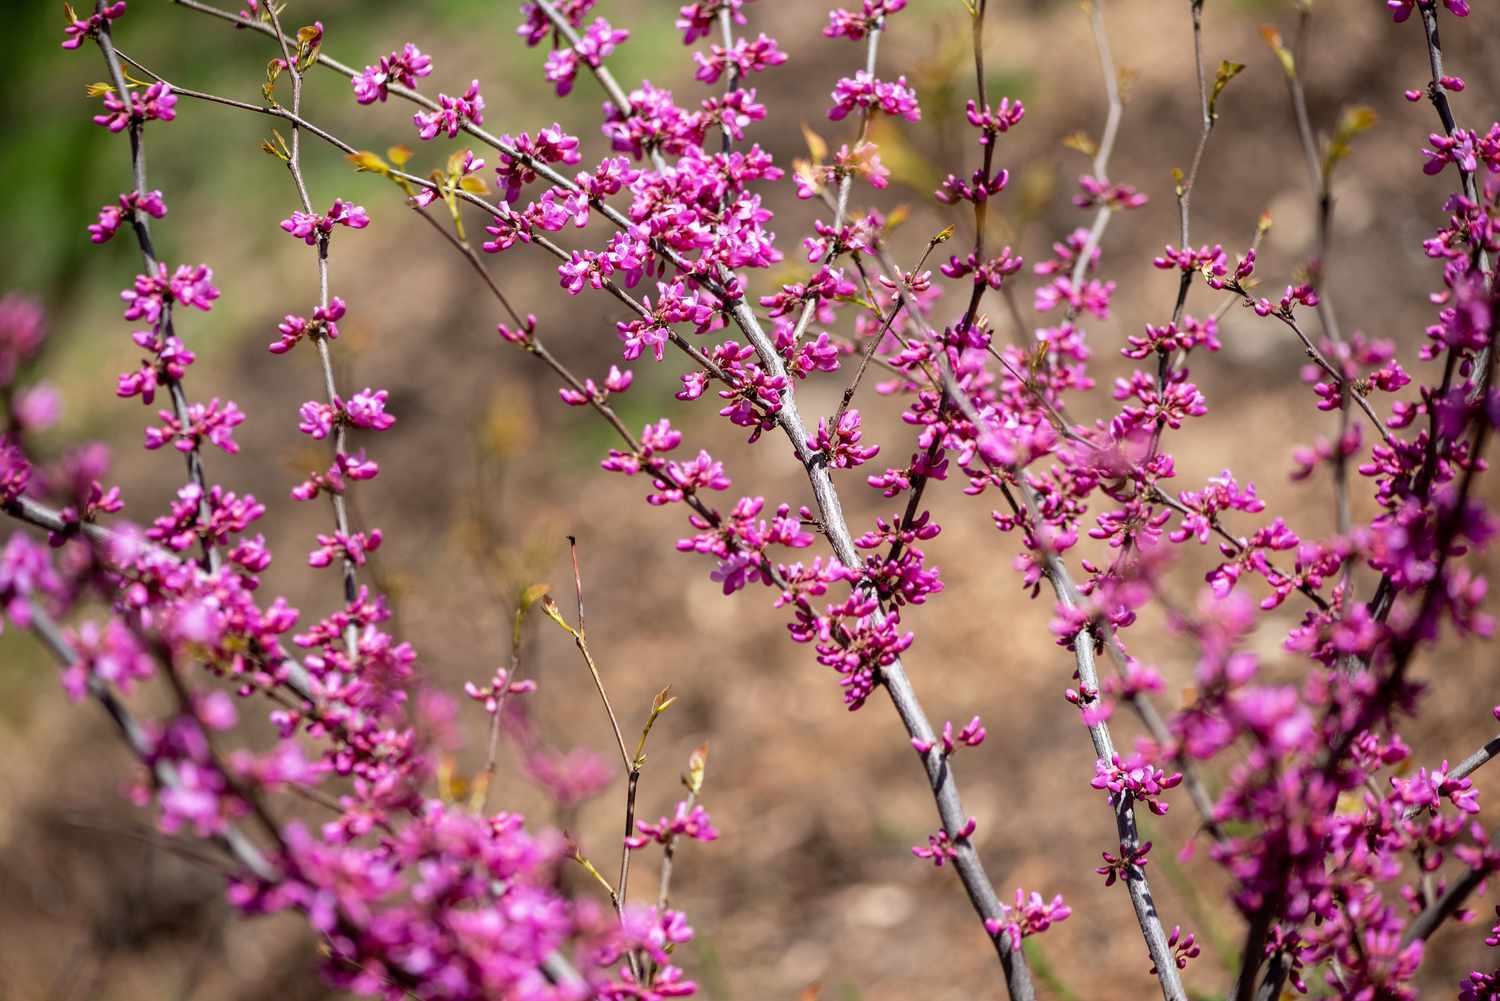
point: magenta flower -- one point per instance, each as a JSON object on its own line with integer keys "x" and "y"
{"x": 1096, "y": 193}
{"x": 744, "y": 58}
{"x": 847, "y": 24}
{"x": 864, "y": 91}
{"x": 1183, "y": 947}
{"x": 453, "y": 114}
{"x": 210, "y": 422}
{"x": 596, "y": 42}
{"x": 79, "y": 28}
{"x": 36, "y": 408}
{"x": 1031, "y": 915}
{"x": 1136, "y": 778}
{"x": 694, "y": 823}
{"x": 324, "y": 323}
{"x": 354, "y": 547}
{"x": 373, "y": 82}
{"x": 22, "y": 331}
{"x": 15, "y": 472}
{"x": 972, "y": 735}
{"x": 570, "y": 777}
{"x": 156, "y": 104}
{"x": 535, "y": 29}
{"x": 699, "y": 18}
{"x": 366, "y": 409}
{"x": 26, "y": 570}
{"x": 151, "y": 294}
{"x": 839, "y": 447}
{"x": 129, "y": 204}
{"x": 494, "y": 693}
{"x": 1125, "y": 864}
{"x": 1401, "y": 9}
{"x": 214, "y": 516}
{"x": 311, "y": 227}
{"x": 993, "y": 121}
{"x": 941, "y": 847}
{"x": 551, "y": 145}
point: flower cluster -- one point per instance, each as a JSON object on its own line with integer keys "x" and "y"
{"x": 79, "y": 28}
{"x": 1338, "y": 849}
{"x": 310, "y": 227}
{"x": 157, "y": 103}
{"x": 124, "y": 210}
{"x": 863, "y": 91}
{"x": 451, "y": 114}
{"x": 597, "y": 42}
{"x": 404, "y": 68}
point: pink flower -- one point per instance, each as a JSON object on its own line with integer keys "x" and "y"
{"x": 353, "y": 547}
{"x": 864, "y": 91}
{"x": 151, "y": 294}
{"x": 156, "y": 104}
{"x": 694, "y": 823}
{"x": 129, "y": 204}
{"x": 596, "y": 42}
{"x": 744, "y": 58}
{"x": 205, "y": 422}
{"x": 941, "y": 847}
{"x": 78, "y": 28}
{"x": 1032, "y": 915}
{"x": 311, "y": 227}
{"x": 373, "y": 83}
{"x": 452, "y": 114}
{"x": 494, "y": 693}
{"x": 847, "y": 24}
{"x": 1401, "y": 9}
{"x": 839, "y": 447}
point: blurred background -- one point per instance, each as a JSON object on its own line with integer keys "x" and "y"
{"x": 812, "y": 881}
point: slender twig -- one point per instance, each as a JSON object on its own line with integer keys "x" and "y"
{"x": 1438, "y": 94}
{"x": 1432, "y": 917}
{"x": 1122, "y": 806}
{"x": 339, "y": 444}
{"x": 1319, "y": 176}
{"x": 1107, "y": 140}
{"x": 1185, "y": 187}
{"x": 163, "y": 772}
{"x": 885, "y": 326}
{"x": 971, "y": 871}
{"x": 1067, "y": 595}
{"x": 142, "y": 227}
{"x": 107, "y": 542}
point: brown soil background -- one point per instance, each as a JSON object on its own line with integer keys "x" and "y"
{"x": 812, "y": 881}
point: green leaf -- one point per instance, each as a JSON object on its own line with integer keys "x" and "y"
{"x": 1227, "y": 72}
{"x": 1283, "y": 54}
{"x": 697, "y": 763}
{"x": 1352, "y": 121}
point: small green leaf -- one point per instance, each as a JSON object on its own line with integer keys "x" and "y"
{"x": 533, "y": 594}
{"x": 697, "y": 763}
{"x": 1283, "y": 54}
{"x": 549, "y": 607}
{"x": 276, "y": 146}
{"x": 369, "y": 163}
{"x": 1353, "y": 121}
{"x": 817, "y": 146}
{"x": 1227, "y": 72}
{"x": 1082, "y": 142}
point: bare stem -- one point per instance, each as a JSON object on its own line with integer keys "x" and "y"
{"x": 1107, "y": 140}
